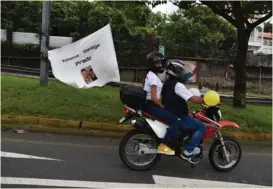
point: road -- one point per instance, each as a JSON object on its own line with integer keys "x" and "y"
{"x": 78, "y": 161}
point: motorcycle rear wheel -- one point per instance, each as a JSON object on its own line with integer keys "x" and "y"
{"x": 123, "y": 152}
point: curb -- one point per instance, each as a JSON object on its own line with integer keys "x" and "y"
{"x": 74, "y": 127}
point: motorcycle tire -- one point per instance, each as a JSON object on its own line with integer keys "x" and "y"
{"x": 217, "y": 144}
{"x": 122, "y": 152}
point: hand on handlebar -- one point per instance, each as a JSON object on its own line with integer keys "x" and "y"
{"x": 204, "y": 105}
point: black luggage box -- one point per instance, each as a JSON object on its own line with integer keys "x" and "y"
{"x": 132, "y": 96}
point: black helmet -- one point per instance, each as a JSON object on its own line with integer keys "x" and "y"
{"x": 154, "y": 57}
{"x": 178, "y": 70}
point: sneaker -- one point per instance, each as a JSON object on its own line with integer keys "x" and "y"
{"x": 165, "y": 150}
{"x": 189, "y": 157}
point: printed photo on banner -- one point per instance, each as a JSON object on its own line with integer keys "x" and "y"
{"x": 88, "y": 74}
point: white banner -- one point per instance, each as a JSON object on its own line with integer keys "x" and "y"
{"x": 88, "y": 62}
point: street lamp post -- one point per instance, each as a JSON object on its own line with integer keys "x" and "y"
{"x": 44, "y": 65}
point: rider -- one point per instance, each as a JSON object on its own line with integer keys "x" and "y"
{"x": 153, "y": 106}
{"x": 175, "y": 96}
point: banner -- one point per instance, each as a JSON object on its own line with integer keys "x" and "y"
{"x": 88, "y": 62}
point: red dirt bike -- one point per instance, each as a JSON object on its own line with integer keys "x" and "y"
{"x": 224, "y": 153}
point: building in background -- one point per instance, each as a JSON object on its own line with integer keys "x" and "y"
{"x": 260, "y": 42}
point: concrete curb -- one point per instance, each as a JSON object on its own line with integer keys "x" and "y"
{"x": 73, "y": 127}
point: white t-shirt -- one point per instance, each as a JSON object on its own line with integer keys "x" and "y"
{"x": 152, "y": 79}
{"x": 182, "y": 91}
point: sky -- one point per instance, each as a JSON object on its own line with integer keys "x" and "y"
{"x": 166, "y": 8}
{"x": 170, "y": 8}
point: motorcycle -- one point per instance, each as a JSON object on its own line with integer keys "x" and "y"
{"x": 224, "y": 153}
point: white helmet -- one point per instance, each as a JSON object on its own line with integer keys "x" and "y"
{"x": 179, "y": 70}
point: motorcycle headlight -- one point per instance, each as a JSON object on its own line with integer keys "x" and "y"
{"x": 220, "y": 114}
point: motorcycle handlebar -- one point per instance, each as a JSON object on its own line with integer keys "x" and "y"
{"x": 206, "y": 106}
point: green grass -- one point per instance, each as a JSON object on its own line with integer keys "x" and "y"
{"x": 252, "y": 118}
{"x": 25, "y": 96}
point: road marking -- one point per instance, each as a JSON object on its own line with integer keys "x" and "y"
{"x": 59, "y": 143}
{"x": 160, "y": 181}
{"x": 165, "y": 181}
{"x": 103, "y": 146}
{"x": 25, "y": 156}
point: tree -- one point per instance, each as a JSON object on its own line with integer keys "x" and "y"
{"x": 240, "y": 14}
{"x": 157, "y": 22}
{"x": 193, "y": 32}
{"x": 129, "y": 22}
{"x": 268, "y": 27}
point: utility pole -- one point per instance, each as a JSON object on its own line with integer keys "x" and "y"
{"x": 260, "y": 80}
{"x": 44, "y": 66}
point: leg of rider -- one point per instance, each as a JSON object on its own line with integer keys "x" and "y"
{"x": 169, "y": 119}
{"x": 172, "y": 130}
{"x": 199, "y": 131}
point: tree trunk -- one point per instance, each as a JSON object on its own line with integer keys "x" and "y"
{"x": 239, "y": 99}
{"x": 10, "y": 40}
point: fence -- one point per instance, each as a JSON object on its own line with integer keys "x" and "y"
{"x": 206, "y": 68}
{"x": 210, "y": 72}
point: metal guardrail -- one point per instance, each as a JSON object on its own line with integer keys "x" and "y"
{"x": 36, "y": 72}
{"x": 250, "y": 100}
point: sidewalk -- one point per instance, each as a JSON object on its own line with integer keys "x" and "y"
{"x": 77, "y": 127}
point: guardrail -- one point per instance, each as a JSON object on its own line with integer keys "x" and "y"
{"x": 36, "y": 72}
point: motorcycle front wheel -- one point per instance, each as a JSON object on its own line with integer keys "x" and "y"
{"x": 217, "y": 158}
{"x": 130, "y": 153}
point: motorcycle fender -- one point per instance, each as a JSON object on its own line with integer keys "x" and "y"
{"x": 225, "y": 123}
{"x": 158, "y": 127}
{"x": 139, "y": 125}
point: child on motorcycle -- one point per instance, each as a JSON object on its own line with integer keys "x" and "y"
{"x": 153, "y": 106}
{"x": 175, "y": 96}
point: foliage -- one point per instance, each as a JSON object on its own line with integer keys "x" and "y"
{"x": 29, "y": 50}
{"x": 268, "y": 27}
{"x": 21, "y": 16}
{"x": 196, "y": 31}
{"x": 128, "y": 21}
{"x": 184, "y": 34}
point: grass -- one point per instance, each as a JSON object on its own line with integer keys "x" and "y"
{"x": 25, "y": 96}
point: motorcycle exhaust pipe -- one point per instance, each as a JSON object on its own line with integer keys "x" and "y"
{"x": 133, "y": 122}
{"x": 139, "y": 125}
{"x": 136, "y": 123}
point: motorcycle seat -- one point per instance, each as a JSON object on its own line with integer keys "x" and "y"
{"x": 152, "y": 117}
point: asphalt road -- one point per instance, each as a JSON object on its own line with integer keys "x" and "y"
{"x": 94, "y": 162}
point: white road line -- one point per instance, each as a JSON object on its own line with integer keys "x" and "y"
{"x": 165, "y": 181}
{"x": 25, "y": 156}
{"x": 92, "y": 146}
{"x": 68, "y": 183}
{"x": 160, "y": 181}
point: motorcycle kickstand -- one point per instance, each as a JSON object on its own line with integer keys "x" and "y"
{"x": 192, "y": 165}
